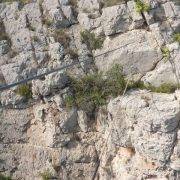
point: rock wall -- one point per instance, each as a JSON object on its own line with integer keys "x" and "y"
{"x": 136, "y": 136}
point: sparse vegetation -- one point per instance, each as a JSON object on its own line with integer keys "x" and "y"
{"x": 47, "y": 22}
{"x": 165, "y": 52}
{"x": 92, "y": 91}
{"x": 164, "y": 88}
{"x": 25, "y": 91}
{"x": 3, "y": 35}
{"x": 176, "y": 37}
{"x": 22, "y": 2}
{"x": 3, "y": 177}
{"x": 91, "y": 40}
{"x": 108, "y": 3}
{"x": 62, "y": 37}
{"x": 31, "y": 28}
{"x": 35, "y": 38}
{"x": 47, "y": 175}
{"x": 142, "y": 7}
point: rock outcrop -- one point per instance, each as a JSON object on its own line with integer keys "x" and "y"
{"x": 132, "y": 136}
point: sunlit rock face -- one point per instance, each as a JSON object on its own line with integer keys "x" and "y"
{"x": 44, "y": 132}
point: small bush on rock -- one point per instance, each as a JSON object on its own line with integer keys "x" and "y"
{"x": 91, "y": 40}
{"x": 141, "y": 6}
{"x": 24, "y": 91}
{"x": 176, "y": 37}
{"x": 92, "y": 91}
{"x": 46, "y": 175}
{"x": 3, "y": 177}
{"x": 165, "y": 52}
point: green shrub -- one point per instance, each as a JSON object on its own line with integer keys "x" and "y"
{"x": 92, "y": 91}
{"x": 24, "y": 91}
{"x": 91, "y": 40}
{"x": 62, "y": 37}
{"x": 141, "y": 6}
{"x": 165, "y": 52}
{"x": 115, "y": 81}
{"x": 47, "y": 175}
{"x": 3, "y": 177}
{"x": 176, "y": 37}
{"x": 47, "y": 22}
{"x": 164, "y": 88}
{"x": 22, "y": 2}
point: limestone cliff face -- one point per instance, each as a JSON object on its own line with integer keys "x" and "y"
{"x": 135, "y": 135}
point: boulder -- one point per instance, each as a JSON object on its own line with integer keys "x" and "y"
{"x": 115, "y": 19}
{"x": 149, "y": 123}
{"x": 136, "y": 51}
{"x": 165, "y": 72}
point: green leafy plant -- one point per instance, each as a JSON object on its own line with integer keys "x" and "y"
{"x": 176, "y": 37}
{"x": 3, "y": 177}
{"x": 163, "y": 88}
{"x": 46, "y": 21}
{"x": 115, "y": 81}
{"x": 141, "y": 6}
{"x": 165, "y": 52}
{"x": 24, "y": 91}
{"x": 47, "y": 175}
{"x": 91, "y": 40}
{"x": 92, "y": 91}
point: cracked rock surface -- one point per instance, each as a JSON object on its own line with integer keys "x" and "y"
{"x": 135, "y": 136}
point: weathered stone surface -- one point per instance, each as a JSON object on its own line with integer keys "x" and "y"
{"x": 56, "y": 51}
{"x": 90, "y": 6}
{"x": 4, "y": 47}
{"x": 154, "y": 118}
{"x": 115, "y": 19}
{"x": 136, "y": 51}
{"x": 57, "y": 80}
{"x": 14, "y": 125}
{"x": 137, "y": 17}
{"x": 165, "y": 72}
{"x": 68, "y": 121}
{"x": 136, "y": 136}
{"x": 83, "y": 120}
